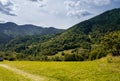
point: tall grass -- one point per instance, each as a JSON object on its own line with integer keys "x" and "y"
{"x": 99, "y": 70}
{"x": 6, "y": 75}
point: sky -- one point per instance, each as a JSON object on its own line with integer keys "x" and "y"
{"x": 60, "y": 14}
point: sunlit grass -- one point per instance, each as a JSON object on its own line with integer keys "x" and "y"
{"x": 6, "y": 75}
{"x": 99, "y": 70}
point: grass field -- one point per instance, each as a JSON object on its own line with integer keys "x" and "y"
{"x": 6, "y": 75}
{"x": 99, "y": 70}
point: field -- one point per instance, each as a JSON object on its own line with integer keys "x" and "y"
{"x": 6, "y": 75}
{"x": 105, "y": 69}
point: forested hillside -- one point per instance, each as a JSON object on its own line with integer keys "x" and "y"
{"x": 90, "y": 39}
{"x": 11, "y": 30}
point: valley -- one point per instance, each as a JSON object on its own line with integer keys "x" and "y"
{"x": 87, "y": 51}
{"x": 88, "y": 40}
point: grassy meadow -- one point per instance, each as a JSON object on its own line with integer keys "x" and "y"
{"x": 105, "y": 69}
{"x": 6, "y": 75}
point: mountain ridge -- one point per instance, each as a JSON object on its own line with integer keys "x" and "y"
{"x": 12, "y": 30}
{"x": 87, "y": 39}
{"x": 84, "y": 33}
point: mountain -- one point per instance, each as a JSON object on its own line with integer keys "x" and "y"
{"x": 83, "y": 34}
{"x": 11, "y": 30}
{"x": 80, "y": 38}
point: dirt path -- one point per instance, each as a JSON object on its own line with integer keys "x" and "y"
{"x": 25, "y": 74}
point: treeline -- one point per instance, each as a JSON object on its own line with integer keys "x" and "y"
{"x": 109, "y": 44}
{"x": 82, "y": 35}
{"x": 89, "y": 40}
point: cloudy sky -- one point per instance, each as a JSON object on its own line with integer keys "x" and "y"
{"x": 53, "y": 13}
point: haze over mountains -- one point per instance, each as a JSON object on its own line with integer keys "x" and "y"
{"x": 86, "y": 40}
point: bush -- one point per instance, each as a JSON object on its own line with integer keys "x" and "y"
{"x": 73, "y": 57}
{"x": 109, "y": 59}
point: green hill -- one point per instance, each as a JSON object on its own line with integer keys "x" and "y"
{"x": 83, "y": 34}
{"x": 82, "y": 38}
{"x": 11, "y": 30}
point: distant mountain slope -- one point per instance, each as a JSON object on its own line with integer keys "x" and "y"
{"x": 12, "y": 30}
{"x": 82, "y": 38}
{"x": 82, "y": 35}
{"x": 23, "y": 43}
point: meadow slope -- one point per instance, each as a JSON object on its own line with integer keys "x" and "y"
{"x": 105, "y": 69}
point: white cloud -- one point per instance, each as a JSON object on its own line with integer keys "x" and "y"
{"x": 7, "y": 7}
{"x": 78, "y": 13}
{"x": 41, "y": 3}
{"x": 74, "y": 9}
{"x": 78, "y": 3}
{"x": 98, "y": 2}
{"x": 55, "y": 13}
{"x": 2, "y": 20}
{"x": 80, "y": 8}
{"x": 33, "y": 0}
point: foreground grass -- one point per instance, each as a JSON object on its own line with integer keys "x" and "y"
{"x": 6, "y": 75}
{"x": 99, "y": 70}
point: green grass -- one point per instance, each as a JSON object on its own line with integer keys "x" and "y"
{"x": 99, "y": 70}
{"x": 6, "y": 75}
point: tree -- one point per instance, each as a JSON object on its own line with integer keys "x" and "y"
{"x": 111, "y": 43}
